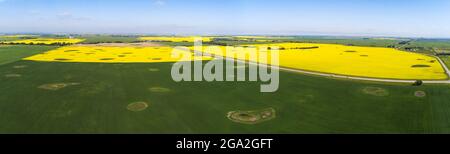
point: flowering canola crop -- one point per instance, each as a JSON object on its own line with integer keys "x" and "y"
{"x": 373, "y": 62}
{"x": 111, "y": 55}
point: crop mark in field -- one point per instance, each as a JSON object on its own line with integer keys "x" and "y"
{"x": 420, "y": 66}
{"x": 61, "y": 114}
{"x": 375, "y": 91}
{"x": 13, "y": 75}
{"x": 420, "y": 94}
{"x": 107, "y": 58}
{"x": 306, "y": 98}
{"x": 57, "y": 86}
{"x": 20, "y": 66}
{"x": 94, "y": 88}
{"x": 62, "y": 59}
{"x": 137, "y": 106}
{"x": 153, "y": 70}
{"x": 159, "y": 89}
{"x": 252, "y": 117}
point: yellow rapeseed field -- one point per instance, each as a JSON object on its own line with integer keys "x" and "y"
{"x": 175, "y": 38}
{"x": 371, "y": 62}
{"x": 47, "y": 41}
{"x": 97, "y": 54}
{"x": 16, "y": 36}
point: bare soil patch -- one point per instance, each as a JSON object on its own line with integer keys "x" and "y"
{"x": 137, "y": 106}
{"x": 375, "y": 91}
{"x": 20, "y": 66}
{"x": 62, "y": 59}
{"x": 420, "y": 66}
{"x": 159, "y": 89}
{"x": 153, "y": 70}
{"x": 13, "y": 75}
{"x": 420, "y": 94}
{"x": 252, "y": 117}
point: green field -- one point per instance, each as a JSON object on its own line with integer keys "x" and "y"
{"x": 446, "y": 60}
{"x": 10, "y": 54}
{"x": 303, "y": 104}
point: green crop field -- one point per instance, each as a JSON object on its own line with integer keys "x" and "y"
{"x": 10, "y": 54}
{"x": 97, "y": 102}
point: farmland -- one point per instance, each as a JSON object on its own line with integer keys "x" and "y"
{"x": 127, "y": 88}
{"x": 350, "y": 60}
{"x": 45, "y": 41}
{"x": 304, "y": 104}
{"x": 174, "y": 39}
{"x": 110, "y": 55}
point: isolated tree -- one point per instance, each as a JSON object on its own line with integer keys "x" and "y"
{"x": 418, "y": 83}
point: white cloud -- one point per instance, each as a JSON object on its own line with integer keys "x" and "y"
{"x": 159, "y": 2}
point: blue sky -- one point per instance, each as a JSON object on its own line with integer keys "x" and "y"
{"x": 410, "y": 18}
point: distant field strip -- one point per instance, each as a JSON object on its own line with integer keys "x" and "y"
{"x": 46, "y": 41}
{"x": 352, "y": 61}
{"x": 175, "y": 39}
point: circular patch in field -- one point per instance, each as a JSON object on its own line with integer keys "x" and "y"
{"x": 252, "y": 117}
{"x": 121, "y": 56}
{"x": 13, "y": 75}
{"x": 153, "y": 70}
{"x": 420, "y": 94}
{"x": 137, "y": 106}
{"x": 350, "y": 51}
{"x": 20, "y": 66}
{"x": 56, "y": 86}
{"x": 375, "y": 91}
{"x": 159, "y": 89}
